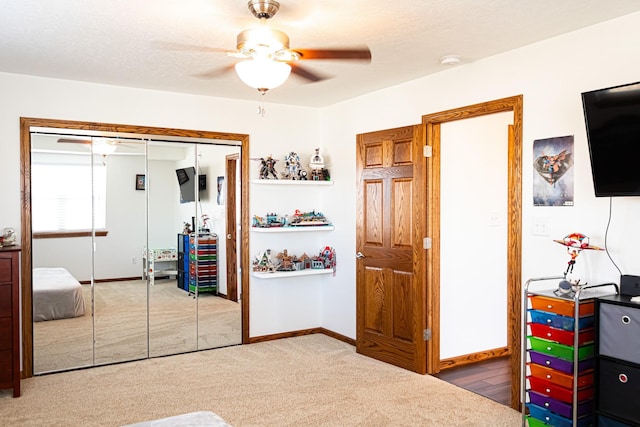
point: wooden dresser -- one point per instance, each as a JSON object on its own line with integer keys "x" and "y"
{"x": 10, "y": 319}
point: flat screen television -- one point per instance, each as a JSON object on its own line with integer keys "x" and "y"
{"x": 612, "y": 118}
{"x": 186, "y": 180}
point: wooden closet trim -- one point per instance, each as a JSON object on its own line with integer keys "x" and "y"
{"x": 26, "y": 123}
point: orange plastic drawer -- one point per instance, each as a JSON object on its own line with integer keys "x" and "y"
{"x": 560, "y": 335}
{"x": 559, "y": 306}
{"x": 556, "y": 392}
{"x": 559, "y": 378}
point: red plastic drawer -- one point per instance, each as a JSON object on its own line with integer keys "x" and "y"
{"x": 556, "y": 392}
{"x": 560, "y": 335}
{"x": 559, "y": 306}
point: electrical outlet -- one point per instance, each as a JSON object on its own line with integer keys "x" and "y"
{"x": 134, "y": 260}
{"x": 541, "y": 226}
{"x": 494, "y": 219}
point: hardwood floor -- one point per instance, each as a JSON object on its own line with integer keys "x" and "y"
{"x": 491, "y": 379}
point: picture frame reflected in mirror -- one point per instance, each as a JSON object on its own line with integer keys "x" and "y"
{"x": 140, "y": 182}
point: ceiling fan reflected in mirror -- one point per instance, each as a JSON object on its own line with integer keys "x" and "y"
{"x": 266, "y": 57}
{"x": 101, "y": 146}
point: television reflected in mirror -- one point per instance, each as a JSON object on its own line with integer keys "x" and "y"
{"x": 186, "y": 178}
{"x": 612, "y": 118}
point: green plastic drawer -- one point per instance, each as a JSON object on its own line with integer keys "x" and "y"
{"x": 559, "y": 350}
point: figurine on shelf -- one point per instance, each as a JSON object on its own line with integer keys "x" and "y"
{"x": 575, "y": 243}
{"x": 312, "y": 218}
{"x": 205, "y": 224}
{"x": 318, "y": 170}
{"x": 286, "y": 261}
{"x": 268, "y": 221}
{"x": 187, "y": 228}
{"x": 267, "y": 167}
{"x": 291, "y": 166}
{"x": 263, "y": 263}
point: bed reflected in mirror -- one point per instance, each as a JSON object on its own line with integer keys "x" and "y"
{"x": 62, "y": 267}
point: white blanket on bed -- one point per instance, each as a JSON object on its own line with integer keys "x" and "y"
{"x": 56, "y": 295}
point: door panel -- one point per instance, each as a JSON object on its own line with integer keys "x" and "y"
{"x": 232, "y": 233}
{"x": 390, "y": 274}
{"x": 119, "y": 300}
{"x": 173, "y": 311}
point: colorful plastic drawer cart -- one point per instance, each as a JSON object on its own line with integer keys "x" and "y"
{"x": 559, "y": 355}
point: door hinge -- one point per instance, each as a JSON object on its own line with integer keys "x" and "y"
{"x": 426, "y": 334}
{"x": 426, "y": 243}
{"x": 428, "y": 151}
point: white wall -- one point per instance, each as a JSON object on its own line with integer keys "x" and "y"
{"x": 551, "y": 75}
{"x": 284, "y": 128}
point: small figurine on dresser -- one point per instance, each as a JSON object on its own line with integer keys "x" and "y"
{"x": 8, "y": 237}
{"x": 318, "y": 170}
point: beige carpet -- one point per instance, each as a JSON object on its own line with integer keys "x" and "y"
{"x": 305, "y": 381}
{"x": 177, "y": 323}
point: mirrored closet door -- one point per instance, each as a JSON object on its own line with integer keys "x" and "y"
{"x": 135, "y": 251}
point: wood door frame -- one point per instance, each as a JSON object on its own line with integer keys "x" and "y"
{"x": 230, "y": 211}
{"x": 433, "y": 124}
{"x": 26, "y": 123}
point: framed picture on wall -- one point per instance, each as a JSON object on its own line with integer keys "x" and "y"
{"x": 140, "y": 182}
{"x": 553, "y": 171}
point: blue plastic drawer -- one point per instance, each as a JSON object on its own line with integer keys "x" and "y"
{"x": 549, "y": 418}
{"x": 558, "y": 321}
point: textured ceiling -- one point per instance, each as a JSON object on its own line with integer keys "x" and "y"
{"x": 116, "y": 42}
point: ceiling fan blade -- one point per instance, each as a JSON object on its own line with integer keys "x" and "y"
{"x": 305, "y": 73}
{"x": 215, "y": 73}
{"x": 187, "y": 47}
{"x": 361, "y": 54}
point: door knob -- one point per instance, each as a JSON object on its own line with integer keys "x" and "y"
{"x": 360, "y": 255}
{"x": 229, "y": 236}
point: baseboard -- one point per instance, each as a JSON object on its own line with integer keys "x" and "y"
{"x": 116, "y": 279}
{"x": 303, "y": 332}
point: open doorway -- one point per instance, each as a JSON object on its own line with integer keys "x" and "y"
{"x": 433, "y": 123}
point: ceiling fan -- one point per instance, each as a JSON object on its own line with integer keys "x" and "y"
{"x": 102, "y": 146}
{"x": 266, "y": 58}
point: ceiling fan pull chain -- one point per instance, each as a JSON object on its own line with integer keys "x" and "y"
{"x": 261, "y": 110}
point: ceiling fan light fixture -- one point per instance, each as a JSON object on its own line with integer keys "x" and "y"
{"x": 262, "y": 39}
{"x": 263, "y": 73}
{"x": 104, "y": 148}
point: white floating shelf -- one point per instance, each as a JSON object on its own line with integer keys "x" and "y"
{"x": 292, "y": 229}
{"x": 290, "y": 182}
{"x": 278, "y": 274}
